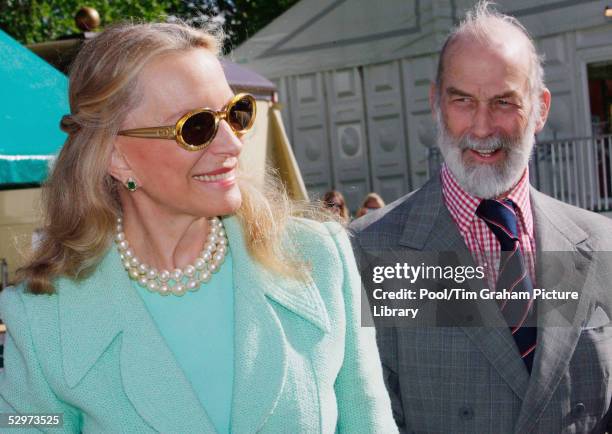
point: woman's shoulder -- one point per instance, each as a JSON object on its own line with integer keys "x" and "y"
{"x": 325, "y": 240}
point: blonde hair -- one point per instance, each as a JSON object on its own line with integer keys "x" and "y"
{"x": 80, "y": 201}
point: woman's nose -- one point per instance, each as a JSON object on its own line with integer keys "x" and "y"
{"x": 225, "y": 141}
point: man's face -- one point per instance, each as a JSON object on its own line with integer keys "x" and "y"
{"x": 486, "y": 115}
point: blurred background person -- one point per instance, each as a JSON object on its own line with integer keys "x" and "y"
{"x": 334, "y": 202}
{"x": 371, "y": 202}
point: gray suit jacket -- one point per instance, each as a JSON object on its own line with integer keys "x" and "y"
{"x": 472, "y": 379}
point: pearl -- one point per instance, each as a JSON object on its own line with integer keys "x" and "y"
{"x": 164, "y": 276}
{"x": 178, "y": 289}
{"x": 213, "y": 255}
{"x": 205, "y": 276}
{"x": 189, "y": 270}
{"x": 176, "y": 274}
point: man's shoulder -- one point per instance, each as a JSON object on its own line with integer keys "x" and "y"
{"x": 597, "y": 226}
{"x": 389, "y": 219}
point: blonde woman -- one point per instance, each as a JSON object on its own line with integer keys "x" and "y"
{"x": 371, "y": 202}
{"x": 167, "y": 294}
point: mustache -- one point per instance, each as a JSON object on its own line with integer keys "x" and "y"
{"x": 492, "y": 143}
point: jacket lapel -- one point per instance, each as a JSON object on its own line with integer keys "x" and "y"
{"x": 558, "y": 329}
{"x": 106, "y": 307}
{"x": 260, "y": 366}
{"x": 430, "y": 228}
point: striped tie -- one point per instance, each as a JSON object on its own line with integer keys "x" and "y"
{"x": 500, "y": 217}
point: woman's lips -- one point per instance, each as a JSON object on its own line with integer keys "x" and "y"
{"x": 224, "y": 174}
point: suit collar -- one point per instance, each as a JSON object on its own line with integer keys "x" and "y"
{"x": 105, "y": 307}
{"x": 427, "y": 223}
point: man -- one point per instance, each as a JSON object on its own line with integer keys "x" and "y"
{"x": 543, "y": 372}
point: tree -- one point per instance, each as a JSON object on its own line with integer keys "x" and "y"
{"x": 31, "y": 21}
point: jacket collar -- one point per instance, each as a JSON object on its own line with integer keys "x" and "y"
{"x": 105, "y": 307}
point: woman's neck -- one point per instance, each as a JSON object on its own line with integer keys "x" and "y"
{"x": 161, "y": 238}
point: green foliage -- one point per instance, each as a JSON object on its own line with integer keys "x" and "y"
{"x": 32, "y": 21}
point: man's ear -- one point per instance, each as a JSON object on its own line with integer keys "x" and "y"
{"x": 119, "y": 168}
{"x": 545, "y": 98}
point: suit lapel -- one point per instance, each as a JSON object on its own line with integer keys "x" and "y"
{"x": 430, "y": 228}
{"x": 558, "y": 330}
{"x": 106, "y": 307}
{"x": 260, "y": 366}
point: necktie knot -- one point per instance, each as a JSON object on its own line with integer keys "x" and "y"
{"x": 501, "y": 218}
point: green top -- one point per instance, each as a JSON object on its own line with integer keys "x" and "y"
{"x": 199, "y": 330}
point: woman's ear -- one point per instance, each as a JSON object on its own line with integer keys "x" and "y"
{"x": 119, "y": 168}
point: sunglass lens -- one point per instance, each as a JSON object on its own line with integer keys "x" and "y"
{"x": 199, "y": 128}
{"x": 241, "y": 114}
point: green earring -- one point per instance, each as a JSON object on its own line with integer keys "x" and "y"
{"x": 130, "y": 184}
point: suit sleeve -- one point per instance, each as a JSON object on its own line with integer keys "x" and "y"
{"x": 23, "y": 387}
{"x": 363, "y": 403}
{"x": 386, "y": 338}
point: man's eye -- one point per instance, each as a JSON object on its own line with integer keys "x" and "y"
{"x": 462, "y": 100}
{"x": 503, "y": 102}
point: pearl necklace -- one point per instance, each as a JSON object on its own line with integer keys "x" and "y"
{"x": 178, "y": 281}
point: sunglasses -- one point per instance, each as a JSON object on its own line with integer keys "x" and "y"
{"x": 197, "y": 129}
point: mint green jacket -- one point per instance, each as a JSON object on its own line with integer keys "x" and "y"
{"x": 303, "y": 363}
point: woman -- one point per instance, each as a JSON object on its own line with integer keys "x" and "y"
{"x": 334, "y": 202}
{"x": 371, "y": 202}
{"x": 212, "y": 311}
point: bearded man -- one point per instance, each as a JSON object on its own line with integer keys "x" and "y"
{"x": 541, "y": 371}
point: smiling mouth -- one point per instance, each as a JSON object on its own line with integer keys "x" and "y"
{"x": 217, "y": 177}
{"x": 488, "y": 153}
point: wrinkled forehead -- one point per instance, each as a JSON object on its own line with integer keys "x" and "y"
{"x": 486, "y": 61}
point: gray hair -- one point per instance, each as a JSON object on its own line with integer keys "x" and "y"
{"x": 480, "y": 23}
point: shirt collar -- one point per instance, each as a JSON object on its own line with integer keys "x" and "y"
{"x": 462, "y": 205}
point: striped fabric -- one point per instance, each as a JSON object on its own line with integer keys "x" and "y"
{"x": 478, "y": 237}
{"x": 501, "y": 218}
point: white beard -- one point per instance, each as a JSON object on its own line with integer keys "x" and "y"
{"x": 486, "y": 181}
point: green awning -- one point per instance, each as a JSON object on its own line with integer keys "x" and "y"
{"x": 33, "y": 99}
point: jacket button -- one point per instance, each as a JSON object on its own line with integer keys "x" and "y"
{"x": 578, "y": 409}
{"x": 466, "y": 413}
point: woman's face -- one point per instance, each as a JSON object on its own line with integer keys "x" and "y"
{"x": 169, "y": 177}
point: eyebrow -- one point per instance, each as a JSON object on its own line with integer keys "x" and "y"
{"x": 180, "y": 113}
{"x": 457, "y": 92}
